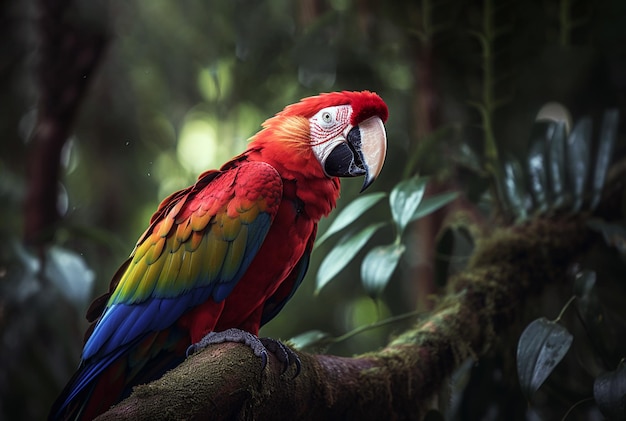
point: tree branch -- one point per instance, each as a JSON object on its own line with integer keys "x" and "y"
{"x": 226, "y": 382}
{"x": 70, "y": 50}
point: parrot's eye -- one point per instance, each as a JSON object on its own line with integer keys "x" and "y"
{"x": 327, "y": 117}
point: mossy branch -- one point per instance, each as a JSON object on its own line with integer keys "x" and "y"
{"x": 226, "y": 381}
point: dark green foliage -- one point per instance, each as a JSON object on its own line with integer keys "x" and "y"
{"x": 542, "y": 345}
{"x": 560, "y": 174}
{"x": 180, "y": 88}
{"x": 609, "y": 391}
{"x": 407, "y": 204}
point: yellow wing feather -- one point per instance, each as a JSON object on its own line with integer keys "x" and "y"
{"x": 202, "y": 236}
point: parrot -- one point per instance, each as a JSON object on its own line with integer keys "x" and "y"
{"x": 222, "y": 257}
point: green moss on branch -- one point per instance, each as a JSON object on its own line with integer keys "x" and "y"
{"x": 226, "y": 382}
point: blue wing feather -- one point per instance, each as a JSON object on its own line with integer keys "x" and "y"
{"x": 122, "y": 323}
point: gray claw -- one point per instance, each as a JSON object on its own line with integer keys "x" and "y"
{"x": 283, "y": 353}
{"x": 232, "y": 335}
{"x": 260, "y": 346}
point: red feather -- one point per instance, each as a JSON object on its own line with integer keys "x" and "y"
{"x": 297, "y": 195}
{"x": 364, "y": 104}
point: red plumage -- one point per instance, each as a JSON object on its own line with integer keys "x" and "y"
{"x": 227, "y": 252}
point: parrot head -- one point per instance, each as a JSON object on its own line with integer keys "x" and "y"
{"x": 344, "y": 131}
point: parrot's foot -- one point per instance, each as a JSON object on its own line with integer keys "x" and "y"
{"x": 283, "y": 353}
{"x": 260, "y": 346}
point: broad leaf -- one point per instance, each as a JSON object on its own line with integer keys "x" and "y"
{"x": 467, "y": 157}
{"x": 609, "y": 391}
{"x": 22, "y": 280}
{"x": 378, "y": 266}
{"x": 69, "y": 272}
{"x": 584, "y": 284}
{"x": 557, "y": 164}
{"x": 589, "y": 304}
{"x": 594, "y": 319}
{"x": 350, "y": 214}
{"x": 431, "y": 204}
{"x": 578, "y": 151}
{"x": 608, "y": 134}
{"x": 515, "y": 189}
{"x": 307, "y": 339}
{"x": 537, "y": 174}
{"x": 404, "y": 200}
{"x": 542, "y": 345}
{"x": 342, "y": 254}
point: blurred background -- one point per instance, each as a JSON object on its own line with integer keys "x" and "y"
{"x": 179, "y": 87}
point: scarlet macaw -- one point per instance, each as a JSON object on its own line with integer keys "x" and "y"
{"x": 227, "y": 252}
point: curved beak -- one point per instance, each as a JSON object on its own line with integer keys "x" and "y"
{"x": 362, "y": 153}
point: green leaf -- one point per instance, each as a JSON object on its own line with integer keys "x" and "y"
{"x": 583, "y": 284}
{"x": 608, "y": 134}
{"x": 557, "y": 164}
{"x": 467, "y": 157}
{"x": 21, "y": 281}
{"x": 593, "y": 315}
{"x": 350, "y": 214}
{"x": 578, "y": 151}
{"x": 404, "y": 200}
{"x": 609, "y": 391}
{"x": 589, "y": 304}
{"x": 431, "y": 204}
{"x": 515, "y": 189}
{"x": 309, "y": 338}
{"x": 342, "y": 254}
{"x": 378, "y": 266}
{"x": 542, "y": 345}
{"x": 70, "y": 273}
{"x": 537, "y": 174}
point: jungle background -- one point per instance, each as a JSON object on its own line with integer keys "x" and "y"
{"x": 109, "y": 106}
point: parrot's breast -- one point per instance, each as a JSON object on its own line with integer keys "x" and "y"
{"x": 282, "y": 249}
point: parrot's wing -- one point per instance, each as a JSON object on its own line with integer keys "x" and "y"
{"x": 288, "y": 287}
{"x": 200, "y": 243}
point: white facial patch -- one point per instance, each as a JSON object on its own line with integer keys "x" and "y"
{"x": 328, "y": 128}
